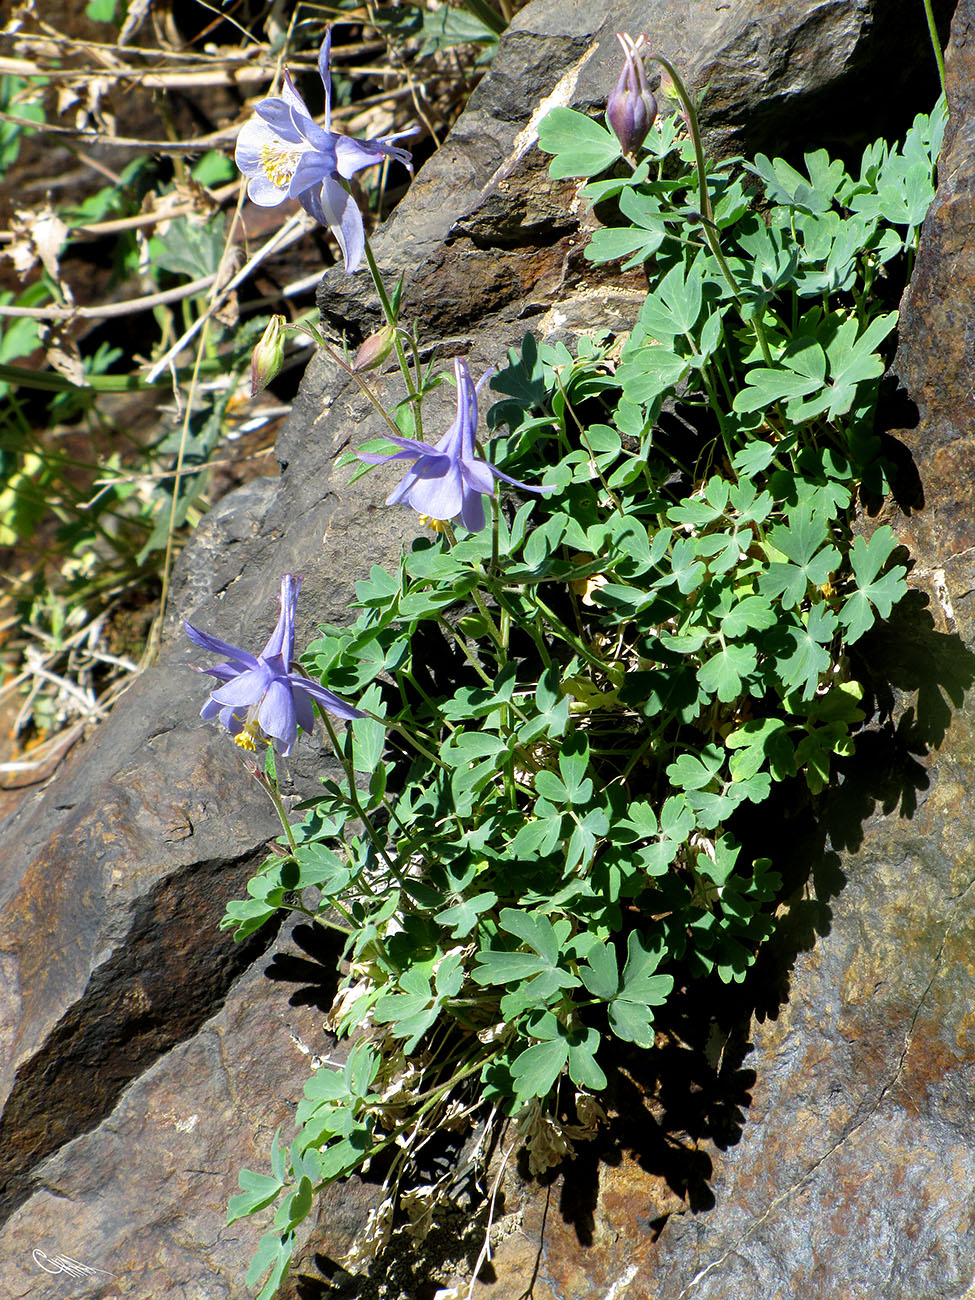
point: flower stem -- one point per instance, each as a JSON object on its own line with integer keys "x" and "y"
{"x": 391, "y": 321}
{"x": 936, "y": 45}
{"x": 356, "y": 802}
{"x": 272, "y": 791}
{"x": 707, "y": 212}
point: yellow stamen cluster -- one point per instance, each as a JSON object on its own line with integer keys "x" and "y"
{"x": 247, "y": 739}
{"x": 435, "y": 525}
{"x": 278, "y": 164}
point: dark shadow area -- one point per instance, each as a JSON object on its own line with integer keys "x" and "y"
{"x": 409, "y": 1265}
{"x": 877, "y": 92}
{"x": 691, "y": 1093}
{"x": 170, "y": 975}
{"x": 313, "y": 969}
{"x": 897, "y": 410}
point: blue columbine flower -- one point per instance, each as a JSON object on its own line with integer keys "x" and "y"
{"x": 286, "y": 155}
{"x": 261, "y": 693}
{"x": 448, "y": 479}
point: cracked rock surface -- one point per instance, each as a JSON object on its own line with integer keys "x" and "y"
{"x": 146, "y": 1057}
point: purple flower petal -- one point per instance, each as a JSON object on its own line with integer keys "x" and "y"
{"x": 276, "y": 714}
{"x": 290, "y": 95}
{"x": 449, "y": 480}
{"x": 264, "y": 192}
{"x": 414, "y": 446}
{"x": 222, "y": 672}
{"x": 285, "y": 154}
{"x": 352, "y": 155}
{"x": 263, "y": 688}
{"x": 304, "y": 710}
{"x": 478, "y": 476}
{"x": 311, "y": 170}
{"x": 211, "y": 708}
{"x": 277, "y": 116}
{"x": 376, "y": 458}
{"x": 515, "y": 482}
{"x": 244, "y": 690}
{"x": 234, "y": 722}
{"x": 254, "y": 137}
{"x": 441, "y": 497}
{"x": 324, "y": 142}
{"x": 218, "y": 647}
{"x": 472, "y": 512}
{"x": 311, "y": 201}
{"x": 323, "y": 696}
{"x": 344, "y": 219}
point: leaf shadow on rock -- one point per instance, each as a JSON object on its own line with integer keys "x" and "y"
{"x": 312, "y": 970}
{"x": 690, "y": 1094}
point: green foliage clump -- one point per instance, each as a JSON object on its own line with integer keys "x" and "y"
{"x": 524, "y": 863}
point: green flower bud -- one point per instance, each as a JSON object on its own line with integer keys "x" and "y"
{"x": 375, "y": 349}
{"x": 268, "y": 356}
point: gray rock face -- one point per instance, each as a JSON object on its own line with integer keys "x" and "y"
{"x": 146, "y": 1057}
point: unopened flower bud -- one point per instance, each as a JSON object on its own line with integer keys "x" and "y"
{"x": 631, "y": 107}
{"x": 376, "y": 349}
{"x": 268, "y": 355}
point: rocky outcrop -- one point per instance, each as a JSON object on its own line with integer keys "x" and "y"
{"x": 146, "y": 1057}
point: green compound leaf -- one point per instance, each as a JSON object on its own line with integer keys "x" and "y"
{"x": 583, "y": 1069}
{"x": 462, "y": 917}
{"x": 853, "y": 360}
{"x": 813, "y": 193}
{"x": 273, "y": 1256}
{"x": 687, "y": 569}
{"x": 641, "y": 240}
{"x": 676, "y": 305}
{"x": 800, "y": 541}
{"x": 259, "y": 1190}
{"x": 650, "y": 370}
{"x": 318, "y": 865}
{"x": 379, "y": 591}
{"x": 574, "y": 764}
{"x": 535, "y": 1071}
{"x": 761, "y": 741}
{"x": 723, "y": 673}
{"x": 369, "y": 734}
{"x": 630, "y": 1016}
{"x": 295, "y": 1207}
{"x": 693, "y": 771}
{"x": 765, "y": 387}
{"x": 801, "y": 670}
{"x": 581, "y": 146}
{"x": 874, "y": 591}
{"x": 751, "y": 614}
{"x": 537, "y": 932}
{"x": 601, "y": 976}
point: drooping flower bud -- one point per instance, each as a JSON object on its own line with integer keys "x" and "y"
{"x": 268, "y": 356}
{"x": 375, "y": 349}
{"x": 631, "y": 107}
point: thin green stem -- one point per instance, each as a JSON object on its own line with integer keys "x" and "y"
{"x": 392, "y": 322}
{"x": 707, "y": 212}
{"x": 356, "y": 802}
{"x": 568, "y": 636}
{"x": 410, "y": 737}
{"x": 936, "y": 45}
